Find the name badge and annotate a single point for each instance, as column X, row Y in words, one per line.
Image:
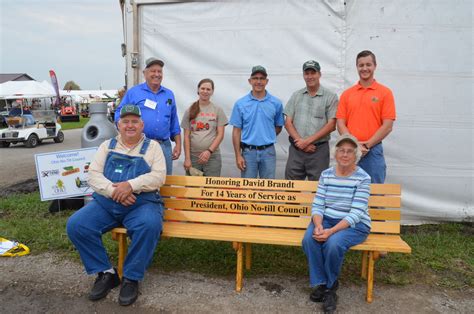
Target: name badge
column 150, row 104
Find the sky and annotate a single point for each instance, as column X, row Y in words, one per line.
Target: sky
column 79, row 40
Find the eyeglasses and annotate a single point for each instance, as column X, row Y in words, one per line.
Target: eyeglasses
column 345, row 151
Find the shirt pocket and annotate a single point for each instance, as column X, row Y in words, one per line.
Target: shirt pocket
column 318, row 111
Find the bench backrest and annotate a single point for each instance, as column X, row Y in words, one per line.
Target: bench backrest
column 264, row 202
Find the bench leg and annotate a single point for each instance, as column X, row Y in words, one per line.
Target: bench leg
column 238, row 280
column 370, row 276
column 122, row 246
column 364, row 265
column 248, row 256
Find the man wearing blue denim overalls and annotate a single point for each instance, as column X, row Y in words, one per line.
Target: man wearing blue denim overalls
column 126, row 173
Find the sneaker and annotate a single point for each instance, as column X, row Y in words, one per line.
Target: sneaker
column 317, row 295
column 103, row 284
column 129, row 292
column 330, row 301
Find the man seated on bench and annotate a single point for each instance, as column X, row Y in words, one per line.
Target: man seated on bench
column 125, row 174
column 340, row 220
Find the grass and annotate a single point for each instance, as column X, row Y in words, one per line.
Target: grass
column 442, row 254
column 74, row 125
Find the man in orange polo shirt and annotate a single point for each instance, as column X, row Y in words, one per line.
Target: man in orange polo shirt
column 367, row 111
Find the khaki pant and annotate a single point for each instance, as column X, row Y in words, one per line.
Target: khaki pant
column 213, row 166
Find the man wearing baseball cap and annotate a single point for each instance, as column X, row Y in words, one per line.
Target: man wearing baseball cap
column 257, row 119
column 126, row 174
column 158, row 108
column 310, row 116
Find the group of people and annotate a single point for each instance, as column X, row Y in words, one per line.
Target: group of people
column 128, row 170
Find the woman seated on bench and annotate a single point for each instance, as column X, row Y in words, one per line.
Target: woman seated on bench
column 340, row 220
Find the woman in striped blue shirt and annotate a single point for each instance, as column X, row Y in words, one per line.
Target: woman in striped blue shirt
column 340, row 220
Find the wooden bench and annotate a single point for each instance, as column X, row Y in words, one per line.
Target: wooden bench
column 246, row 211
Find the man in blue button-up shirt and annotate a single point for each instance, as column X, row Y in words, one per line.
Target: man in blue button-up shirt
column 158, row 109
column 257, row 119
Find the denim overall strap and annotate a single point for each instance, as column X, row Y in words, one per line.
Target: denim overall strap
column 113, row 143
column 145, row 145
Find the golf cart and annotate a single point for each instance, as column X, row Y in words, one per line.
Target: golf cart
column 31, row 128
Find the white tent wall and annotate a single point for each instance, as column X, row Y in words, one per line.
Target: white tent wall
column 424, row 54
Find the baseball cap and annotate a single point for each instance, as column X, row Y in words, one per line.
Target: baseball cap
column 347, row 138
column 151, row 61
column 311, row 64
column 130, row 109
column 258, row 69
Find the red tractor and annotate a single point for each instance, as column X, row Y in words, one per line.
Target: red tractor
column 68, row 112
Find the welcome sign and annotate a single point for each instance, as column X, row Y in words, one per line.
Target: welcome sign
column 64, row 174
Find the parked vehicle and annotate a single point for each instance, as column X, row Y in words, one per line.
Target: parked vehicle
column 68, row 111
column 31, row 129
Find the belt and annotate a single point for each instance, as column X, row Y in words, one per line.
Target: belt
column 161, row 141
column 292, row 142
column 261, row 147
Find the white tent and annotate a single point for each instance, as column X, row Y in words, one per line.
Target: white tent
column 25, row 89
column 424, row 51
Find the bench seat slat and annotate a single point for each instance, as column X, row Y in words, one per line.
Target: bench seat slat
column 292, row 237
column 233, row 233
column 232, row 219
column 383, row 242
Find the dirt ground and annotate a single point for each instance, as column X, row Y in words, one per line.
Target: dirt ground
column 47, row 283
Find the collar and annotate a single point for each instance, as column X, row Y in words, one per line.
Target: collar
column 138, row 144
column 318, row 93
column 147, row 88
column 373, row 86
column 267, row 96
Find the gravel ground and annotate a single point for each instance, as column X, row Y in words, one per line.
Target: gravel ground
column 47, row 283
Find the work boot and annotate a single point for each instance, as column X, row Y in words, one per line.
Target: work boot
column 103, row 284
column 129, row 292
column 317, row 295
column 330, row 301
column 319, row 292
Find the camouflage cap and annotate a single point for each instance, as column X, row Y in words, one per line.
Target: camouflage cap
column 311, row 64
column 258, row 69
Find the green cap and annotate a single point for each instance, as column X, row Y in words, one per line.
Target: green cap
column 311, row 64
column 151, row 61
column 130, row 109
column 258, row 69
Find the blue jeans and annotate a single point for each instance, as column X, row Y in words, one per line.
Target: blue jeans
column 259, row 163
column 325, row 258
column 144, row 223
column 374, row 164
column 168, row 152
